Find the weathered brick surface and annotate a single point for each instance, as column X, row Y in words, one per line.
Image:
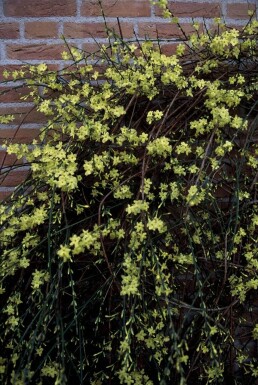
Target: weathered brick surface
column 41, row 8
column 169, row 48
column 5, row 194
column 13, row 95
column 92, row 48
column 116, row 8
column 35, row 51
column 166, row 31
column 97, row 30
column 7, row 160
column 13, row 178
column 23, row 115
column 38, row 30
column 240, row 10
column 9, row 30
column 193, row 9
column 23, row 135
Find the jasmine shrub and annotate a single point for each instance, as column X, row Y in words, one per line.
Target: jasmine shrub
column 129, row 255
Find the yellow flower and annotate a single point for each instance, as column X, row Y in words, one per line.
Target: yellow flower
column 65, row 253
column 156, row 224
column 195, row 195
column 137, row 207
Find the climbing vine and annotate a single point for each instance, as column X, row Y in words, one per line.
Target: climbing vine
column 129, row 255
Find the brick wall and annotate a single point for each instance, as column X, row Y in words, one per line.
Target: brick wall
column 30, row 31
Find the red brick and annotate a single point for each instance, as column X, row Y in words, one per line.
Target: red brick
column 168, row 49
column 8, row 159
column 164, row 30
column 13, row 178
column 116, row 8
column 39, row 8
column 92, row 48
column 239, row 10
column 9, row 30
column 82, row 30
column 5, row 194
column 13, row 95
column 192, row 9
column 41, row 30
column 35, row 51
column 92, row 51
column 22, row 135
column 23, row 114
